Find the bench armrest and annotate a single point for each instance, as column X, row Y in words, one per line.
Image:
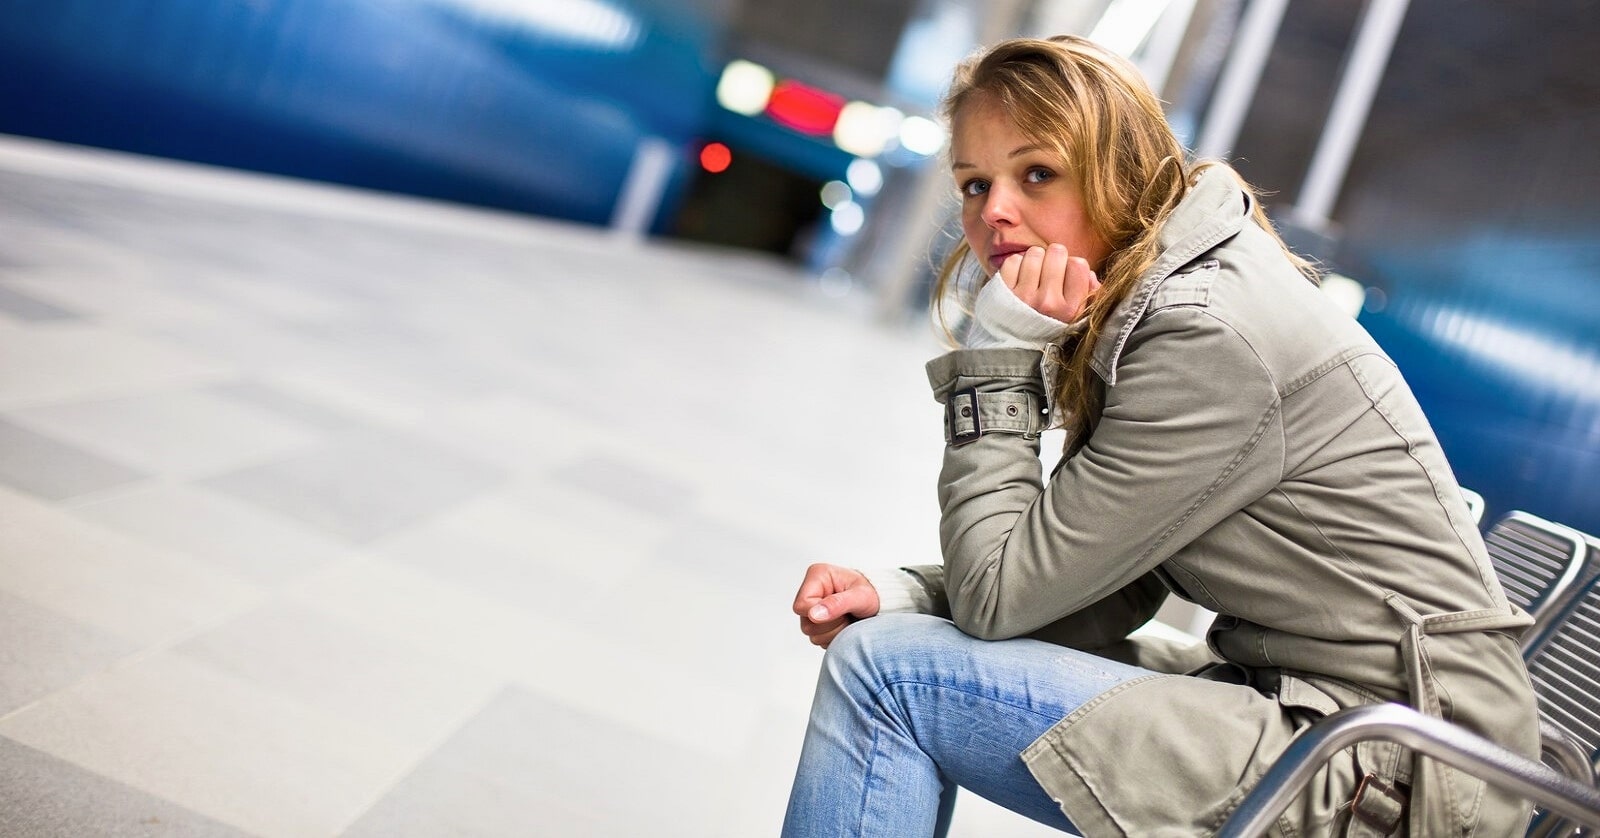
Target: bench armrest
column 1450, row 744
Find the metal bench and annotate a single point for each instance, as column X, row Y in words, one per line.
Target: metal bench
column 1438, row 739
column 1554, row 572
column 1564, row 663
column 1540, row 563
column 1475, row 504
column 1544, row 568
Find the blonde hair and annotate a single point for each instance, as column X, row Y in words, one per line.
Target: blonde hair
column 1097, row 112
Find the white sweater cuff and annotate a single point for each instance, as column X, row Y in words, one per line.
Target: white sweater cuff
column 899, row 592
column 1001, row 319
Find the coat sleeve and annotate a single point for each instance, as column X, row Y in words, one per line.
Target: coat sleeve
column 1190, row 434
column 1095, row 627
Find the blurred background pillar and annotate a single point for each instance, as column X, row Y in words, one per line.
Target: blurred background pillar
column 1258, row 29
column 1166, row 39
column 1358, row 84
column 645, row 187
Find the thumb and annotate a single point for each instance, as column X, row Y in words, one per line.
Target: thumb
column 843, row 603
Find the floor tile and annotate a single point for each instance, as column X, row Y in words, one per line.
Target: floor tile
column 54, row 470
column 262, row 394
column 214, row 530
column 54, row 362
column 124, row 297
column 527, row 765
column 385, row 340
column 408, row 695
column 106, row 580
column 20, row 305
column 522, row 431
column 704, row 605
column 645, row 490
column 42, row 796
column 372, row 390
column 538, row 649
column 44, row 651
column 172, row 432
column 555, row 555
column 519, row 541
column 243, row 339
column 742, row 557
column 217, row 745
column 358, row 487
column 265, row 295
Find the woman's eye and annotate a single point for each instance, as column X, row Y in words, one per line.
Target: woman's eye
column 974, row 187
column 1039, row 175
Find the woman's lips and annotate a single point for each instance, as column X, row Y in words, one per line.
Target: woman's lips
column 998, row 257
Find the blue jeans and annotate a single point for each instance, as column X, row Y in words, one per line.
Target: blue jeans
column 908, row 708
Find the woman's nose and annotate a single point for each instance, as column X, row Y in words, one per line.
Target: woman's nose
column 999, row 207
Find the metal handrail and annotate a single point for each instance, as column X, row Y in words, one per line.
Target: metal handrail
column 1563, row 754
column 1452, row 745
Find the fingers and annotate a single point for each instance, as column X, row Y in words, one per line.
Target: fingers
column 821, row 634
column 1050, row 280
column 1079, row 283
column 829, row 591
column 830, row 598
column 818, row 583
column 850, row 602
column 1053, row 270
column 1011, row 270
column 1031, row 275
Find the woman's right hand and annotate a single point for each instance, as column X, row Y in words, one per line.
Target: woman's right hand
column 1050, row 280
column 830, row 598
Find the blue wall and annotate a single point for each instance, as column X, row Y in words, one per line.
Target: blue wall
column 1485, row 242
column 1499, row 336
column 429, row 97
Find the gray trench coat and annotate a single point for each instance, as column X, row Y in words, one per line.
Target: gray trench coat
column 1257, row 454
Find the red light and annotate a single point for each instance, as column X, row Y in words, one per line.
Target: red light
column 715, row 158
column 805, row 109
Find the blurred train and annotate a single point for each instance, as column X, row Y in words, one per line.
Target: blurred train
column 596, row 111
column 536, row 107
column 616, row 112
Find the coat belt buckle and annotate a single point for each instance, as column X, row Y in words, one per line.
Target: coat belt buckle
column 1384, row 814
column 954, row 408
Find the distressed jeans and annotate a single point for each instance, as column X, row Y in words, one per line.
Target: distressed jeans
column 908, row 708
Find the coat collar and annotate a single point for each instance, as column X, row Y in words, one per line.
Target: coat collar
column 1215, row 208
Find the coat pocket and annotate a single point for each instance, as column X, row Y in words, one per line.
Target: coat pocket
column 1340, row 779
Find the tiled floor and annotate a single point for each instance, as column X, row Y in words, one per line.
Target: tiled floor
column 326, row 513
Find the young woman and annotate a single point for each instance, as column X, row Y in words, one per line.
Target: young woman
column 1233, row 439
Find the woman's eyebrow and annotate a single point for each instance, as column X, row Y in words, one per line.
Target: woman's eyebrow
column 1016, row 152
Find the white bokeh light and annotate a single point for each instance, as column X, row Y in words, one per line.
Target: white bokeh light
column 1348, row 294
column 865, row 177
column 865, row 130
column 920, row 135
column 835, row 193
column 745, row 87
column 847, row 218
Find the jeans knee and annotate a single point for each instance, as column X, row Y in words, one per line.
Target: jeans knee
column 868, row 652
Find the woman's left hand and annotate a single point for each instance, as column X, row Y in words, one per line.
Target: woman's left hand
column 830, row 598
column 1050, row 280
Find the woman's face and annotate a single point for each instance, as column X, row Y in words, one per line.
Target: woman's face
column 1015, row 193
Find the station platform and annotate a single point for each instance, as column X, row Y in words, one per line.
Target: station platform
column 326, row 512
